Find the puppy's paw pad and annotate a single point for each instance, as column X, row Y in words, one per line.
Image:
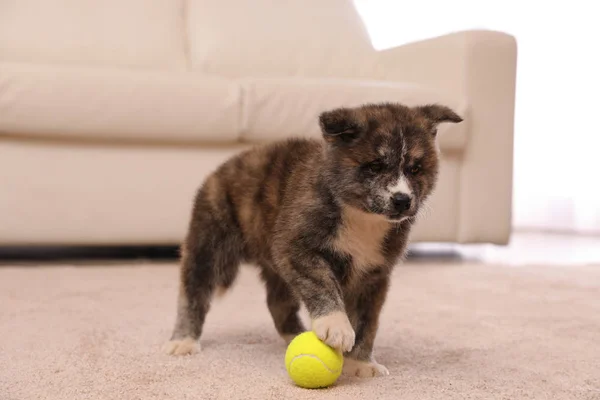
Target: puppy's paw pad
column 335, row 330
column 364, row 369
column 181, row 347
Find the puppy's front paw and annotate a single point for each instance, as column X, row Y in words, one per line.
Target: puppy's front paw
column 335, row 330
column 363, row 369
column 181, row 347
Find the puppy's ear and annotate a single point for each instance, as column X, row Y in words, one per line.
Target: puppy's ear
column 341, row 124
column 436, row 114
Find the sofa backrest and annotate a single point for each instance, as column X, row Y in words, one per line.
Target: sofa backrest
column 117, row 33
column 272, row 38
column 231, row 38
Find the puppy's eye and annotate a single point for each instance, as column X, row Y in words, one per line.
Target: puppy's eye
column 415, row 169
column 375, row 167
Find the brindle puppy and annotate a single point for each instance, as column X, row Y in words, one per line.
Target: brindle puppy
column 325, row 220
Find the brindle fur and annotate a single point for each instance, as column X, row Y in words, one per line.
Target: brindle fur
column 312, row 214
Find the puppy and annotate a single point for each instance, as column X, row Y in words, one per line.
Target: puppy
column 324, row 220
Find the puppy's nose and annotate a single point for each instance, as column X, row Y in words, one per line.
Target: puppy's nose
column 401, row 201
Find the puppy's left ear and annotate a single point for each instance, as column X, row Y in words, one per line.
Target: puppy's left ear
column 341, row 125
column 436, row 114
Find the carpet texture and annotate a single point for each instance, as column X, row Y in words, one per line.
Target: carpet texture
column 448, row 331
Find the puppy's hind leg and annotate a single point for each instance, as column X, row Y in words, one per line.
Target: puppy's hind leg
column 210, row 261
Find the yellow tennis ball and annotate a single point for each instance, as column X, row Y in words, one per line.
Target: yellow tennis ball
column 311, row 363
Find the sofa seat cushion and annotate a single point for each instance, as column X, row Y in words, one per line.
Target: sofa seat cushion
column 279, row 108
column 41, row 100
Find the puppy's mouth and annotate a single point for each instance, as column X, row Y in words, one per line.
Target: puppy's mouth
column 400, row 216
column 393, row 216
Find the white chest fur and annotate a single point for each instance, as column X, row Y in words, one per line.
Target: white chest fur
column 361, row 236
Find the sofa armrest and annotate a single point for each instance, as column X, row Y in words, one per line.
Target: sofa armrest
column 480, row 66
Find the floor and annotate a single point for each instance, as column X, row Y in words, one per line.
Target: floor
column 460, row 322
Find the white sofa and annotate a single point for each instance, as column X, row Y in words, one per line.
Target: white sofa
column 112, row 112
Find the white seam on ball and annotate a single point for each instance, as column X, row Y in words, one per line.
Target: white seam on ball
column 333, row 371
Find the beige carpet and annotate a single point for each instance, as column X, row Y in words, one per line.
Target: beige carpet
column 449, row 331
